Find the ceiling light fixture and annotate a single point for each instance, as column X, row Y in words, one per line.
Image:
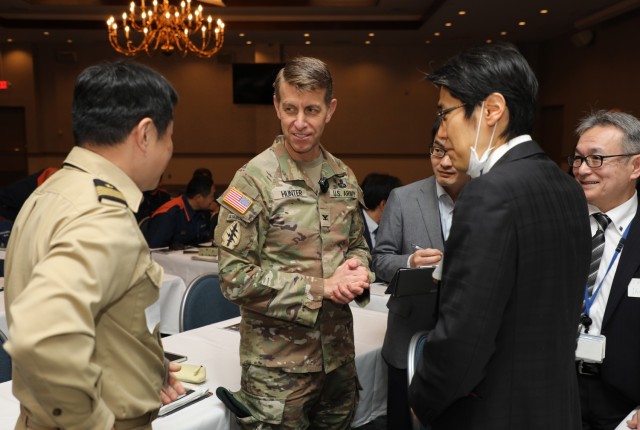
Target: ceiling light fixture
column 167, row 28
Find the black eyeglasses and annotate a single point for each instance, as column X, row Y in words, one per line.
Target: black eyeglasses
column 576, row 161
column 442, row 114
column 437, row 151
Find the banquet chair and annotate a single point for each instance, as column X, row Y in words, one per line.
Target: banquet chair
column 204, row 304
column 5, row 360
column 416, row 346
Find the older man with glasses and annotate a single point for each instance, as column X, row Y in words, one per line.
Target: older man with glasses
column 607, row 166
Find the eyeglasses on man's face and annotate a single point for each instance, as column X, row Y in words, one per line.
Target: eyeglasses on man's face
column 592, row 161
column 442, row 114
column 437, row 150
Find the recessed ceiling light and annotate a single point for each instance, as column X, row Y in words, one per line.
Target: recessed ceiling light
column 544, row 11
column 367, row 42
column 489, row 41
column 248, row 42
column 307, row 35
column 427, row 42
column 436, row 34
column 69, row 41
column 372, row 34
column 448, row 24
column 522, row 23
column 9, row 40
column 307, row 42
column 241, row 34
column 462, row 12
column 503, row 33
column 46, row 33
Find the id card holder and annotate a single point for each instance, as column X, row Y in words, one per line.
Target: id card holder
column 591, row 348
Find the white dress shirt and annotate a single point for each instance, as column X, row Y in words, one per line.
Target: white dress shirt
column 621, row 217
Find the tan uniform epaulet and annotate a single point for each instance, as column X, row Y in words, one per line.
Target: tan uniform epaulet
column 106, row 191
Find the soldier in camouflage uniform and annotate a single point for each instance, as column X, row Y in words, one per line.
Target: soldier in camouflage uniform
column 292, row 255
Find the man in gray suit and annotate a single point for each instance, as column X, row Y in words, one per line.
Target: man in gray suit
column 418, row 214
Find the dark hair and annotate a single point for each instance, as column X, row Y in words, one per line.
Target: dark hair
column 376, row 187
column 203, row 171
column 199, row 184
column 109, row 99
column 474, row 74
column 306, row 74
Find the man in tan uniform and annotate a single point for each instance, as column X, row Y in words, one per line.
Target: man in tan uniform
column 292, row 255
column 81, row 288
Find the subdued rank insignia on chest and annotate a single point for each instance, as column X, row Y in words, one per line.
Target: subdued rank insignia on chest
column 237, row 200
column 106, row 191
column 231, row 235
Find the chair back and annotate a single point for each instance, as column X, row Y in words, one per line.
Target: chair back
column 5, row 360
column 204, row 304
column 416, row 347
column 143, row 224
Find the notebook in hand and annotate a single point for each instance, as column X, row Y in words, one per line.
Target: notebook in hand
column 412, row 281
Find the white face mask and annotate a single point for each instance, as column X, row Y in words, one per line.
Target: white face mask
column 476, row 165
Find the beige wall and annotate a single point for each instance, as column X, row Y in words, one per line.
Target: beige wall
column 385, row 108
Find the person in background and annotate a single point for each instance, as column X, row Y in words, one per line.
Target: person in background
column 416, row 215
column 501, row 355
column 292, row 255
column 606, row 163
column 215, row 211
column 184, row 220
column 151, row 201
column 375, row 189
column 13, row 196
column 81, row 289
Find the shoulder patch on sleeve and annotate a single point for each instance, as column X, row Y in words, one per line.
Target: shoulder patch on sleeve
column 237, row 200
column 106, row 191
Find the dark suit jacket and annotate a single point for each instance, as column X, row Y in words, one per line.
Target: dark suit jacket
column 515, row 265
column 621, row 322
column 410, row 216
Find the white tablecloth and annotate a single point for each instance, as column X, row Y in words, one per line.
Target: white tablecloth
column 216, row 348
column 182, row 265
column 171, row 292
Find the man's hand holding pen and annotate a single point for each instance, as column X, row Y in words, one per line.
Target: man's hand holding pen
column 424, row 257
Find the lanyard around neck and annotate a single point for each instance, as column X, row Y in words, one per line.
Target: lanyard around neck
column 588, row 301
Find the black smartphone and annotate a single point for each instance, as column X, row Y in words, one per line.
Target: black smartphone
column 176, row 358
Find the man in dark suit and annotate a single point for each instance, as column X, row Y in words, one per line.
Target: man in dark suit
column 515, row 264
column 376, row 188
column 418, row 214
column 607, row 166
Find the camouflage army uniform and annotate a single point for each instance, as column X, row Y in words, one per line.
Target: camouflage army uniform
column 279, row 237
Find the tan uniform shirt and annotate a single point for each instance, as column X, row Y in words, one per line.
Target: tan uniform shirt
column 279, row 237
column 80, row 294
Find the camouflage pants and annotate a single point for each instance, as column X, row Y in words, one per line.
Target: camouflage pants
column 281, row 400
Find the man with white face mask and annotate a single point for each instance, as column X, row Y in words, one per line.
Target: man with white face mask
column 515, row 264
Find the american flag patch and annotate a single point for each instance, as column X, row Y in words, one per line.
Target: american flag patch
column 237, row 200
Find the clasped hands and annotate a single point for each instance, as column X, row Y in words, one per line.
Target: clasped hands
column 349, row 280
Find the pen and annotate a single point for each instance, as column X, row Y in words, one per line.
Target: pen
column 416, row 247
column 197, row 370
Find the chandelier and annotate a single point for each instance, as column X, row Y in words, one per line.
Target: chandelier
column 167, row 28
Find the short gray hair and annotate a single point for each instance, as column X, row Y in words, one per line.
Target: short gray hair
column 628, row 124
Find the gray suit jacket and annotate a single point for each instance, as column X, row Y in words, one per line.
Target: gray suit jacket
column 410, row 216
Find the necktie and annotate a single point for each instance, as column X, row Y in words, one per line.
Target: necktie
column 597, row 247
